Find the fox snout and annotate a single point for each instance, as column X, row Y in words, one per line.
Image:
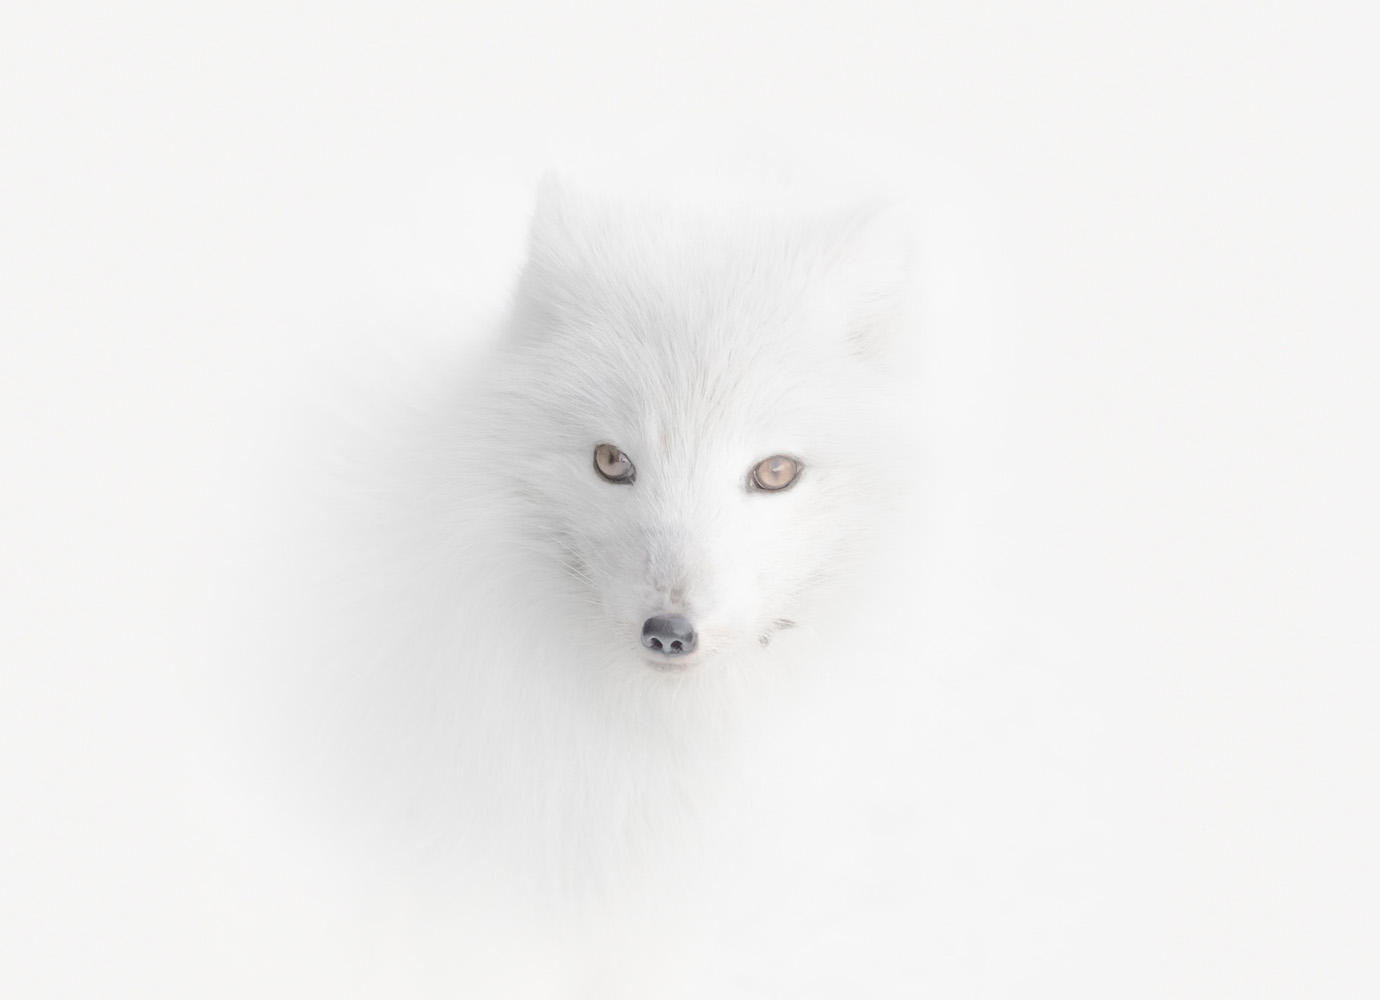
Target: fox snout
column 669, row 635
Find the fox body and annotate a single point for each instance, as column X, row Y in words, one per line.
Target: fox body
column 685, row 420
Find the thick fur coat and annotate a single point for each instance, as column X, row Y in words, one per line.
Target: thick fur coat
column 494, row 721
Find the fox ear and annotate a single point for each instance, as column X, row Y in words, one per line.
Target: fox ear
column 559, row 240
column 551, row 220
column 554, row 250
column 872, row 269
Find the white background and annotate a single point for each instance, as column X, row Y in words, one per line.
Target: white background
column 1158, row 222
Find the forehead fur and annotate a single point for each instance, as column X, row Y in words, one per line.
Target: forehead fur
column 624, row 305
column 678, row 271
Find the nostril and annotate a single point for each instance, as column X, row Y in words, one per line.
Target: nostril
column 671, row 635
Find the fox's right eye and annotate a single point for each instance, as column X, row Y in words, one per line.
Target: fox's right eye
column 613, row 465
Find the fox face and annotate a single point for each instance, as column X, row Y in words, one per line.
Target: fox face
column 693, row 407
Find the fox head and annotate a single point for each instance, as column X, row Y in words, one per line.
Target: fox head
column 691, row 405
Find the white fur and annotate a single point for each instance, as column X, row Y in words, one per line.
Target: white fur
column 515, row 740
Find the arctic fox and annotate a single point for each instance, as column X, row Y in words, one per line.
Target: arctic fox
column 634, row 525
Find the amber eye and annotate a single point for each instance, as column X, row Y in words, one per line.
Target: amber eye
column 613, row 465
column 775, row 473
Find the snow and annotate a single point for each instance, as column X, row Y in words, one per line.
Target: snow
column 1145, row 753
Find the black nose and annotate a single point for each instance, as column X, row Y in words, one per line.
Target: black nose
column 669, row 634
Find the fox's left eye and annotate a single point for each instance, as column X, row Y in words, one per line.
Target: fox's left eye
column 775, row 473
column 613, row 465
